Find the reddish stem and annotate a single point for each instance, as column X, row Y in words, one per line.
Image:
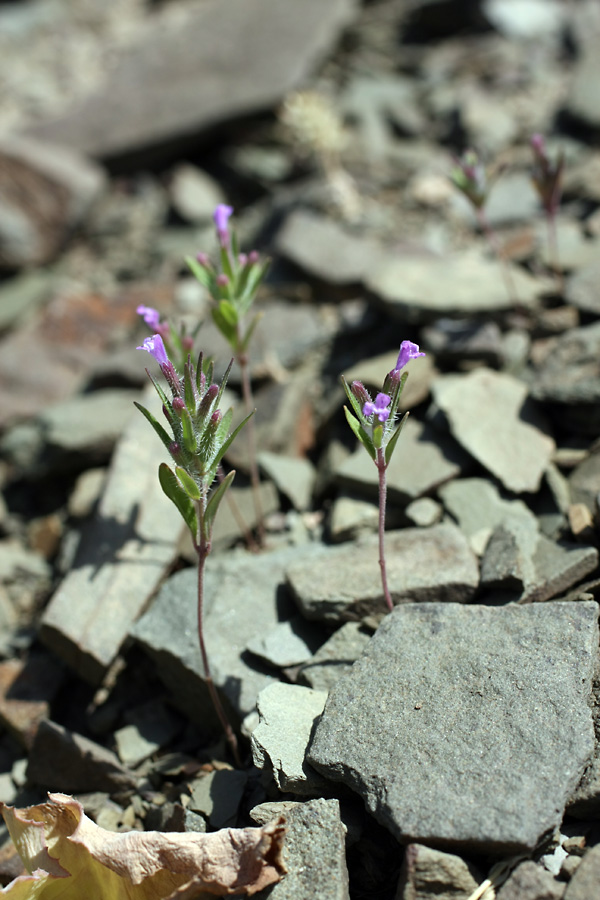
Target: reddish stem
column 203, row 549
column 254, row 476
column 553, row 247
column 381, row 469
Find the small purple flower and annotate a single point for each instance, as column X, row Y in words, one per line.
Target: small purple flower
column 221, row 218
column 379, row 408
column 408, row 351
column 155, row 346
column 150, row 315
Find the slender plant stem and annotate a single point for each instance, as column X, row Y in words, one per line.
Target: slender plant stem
column 381, row 469
column 203, row 549
column 242, row 359
column 553, row 248
column 494, row 243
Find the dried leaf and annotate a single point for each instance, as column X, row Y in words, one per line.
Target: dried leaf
column 71, row 857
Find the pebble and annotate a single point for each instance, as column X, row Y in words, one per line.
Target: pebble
column 584, row 883
column 293, row 476
column 217, row 796
column 491, row 418
column 496, row 675
column 344, row 583
column 335, row 658
column 530, row 881
column 287, row 717
column 27, row 689
column 352, row 516
column 428, row 873
column 194, row 194
column 288, row 643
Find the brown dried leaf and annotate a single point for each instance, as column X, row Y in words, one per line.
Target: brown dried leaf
column 71, row 857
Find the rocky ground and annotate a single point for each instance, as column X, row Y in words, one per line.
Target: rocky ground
column 413, row 752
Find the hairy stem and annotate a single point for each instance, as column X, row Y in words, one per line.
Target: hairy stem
column 553, row 248
column 242, row 359
column 381, row 469
column 203, row 549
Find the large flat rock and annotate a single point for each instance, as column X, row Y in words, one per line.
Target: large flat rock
column 343, row 583
column 214, row 61
column 466, row 726
column 491, row 417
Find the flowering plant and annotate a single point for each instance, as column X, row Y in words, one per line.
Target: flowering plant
column 546, row 176
column 374, row 422
column 200, row 437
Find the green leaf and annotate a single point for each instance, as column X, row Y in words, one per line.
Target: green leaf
column 178, row 496
column 214, row 502
column 204, row 276
column 360, row 433
column 187, row 483
column 256, row 275
column 250, row 331
column 228, row 330
column 189, row 393
column 226, row 265
column 189, row 434
column 391, row 446
column 227, row 444
column 167, row 441
column 223, row 384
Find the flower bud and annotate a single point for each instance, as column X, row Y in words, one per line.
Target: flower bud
column 222, row 280
column 253, row 257
column 188, row 343
column 178, row 404
column 360, row 392
column 203, row 259
column 242, row 259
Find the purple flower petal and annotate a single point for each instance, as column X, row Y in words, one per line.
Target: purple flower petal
column 155, row 346
column 221, row 218
column 150, row 315
column 379, row 408
column 408, row 351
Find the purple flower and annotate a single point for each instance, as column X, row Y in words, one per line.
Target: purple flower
column 155, row 346
column 221, row 218
column 379, row 408
column 408, row 351
column 150, row 315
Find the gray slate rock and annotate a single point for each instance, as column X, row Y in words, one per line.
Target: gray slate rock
column 313, row 851
column 173, row 84
column 287, row 717
column 490, row 416
column 325, row 249
column 217, row 796
column 479, row 509
column 243, row 600
column 423, row 460
column 343, row 583
column 530, row 881
column 351, row 516
column 62, row 760
column 424, row 512
column 418, row 288
column 194, row 194
column 427, row 873
column 123, row 555
column 585, row 881
column 481, row 727
column 508, row 559
column 569, row 379
column 288, row 643
column 294, row 476
column 335, row 658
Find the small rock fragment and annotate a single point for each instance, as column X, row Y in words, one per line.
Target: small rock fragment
column 335, row 658
column 27, row 688
column 430, row 873
column 217, row 796
column 530, row 881
column 287, row 717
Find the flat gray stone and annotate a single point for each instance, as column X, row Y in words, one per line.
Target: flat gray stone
column 479, row 509
column 325, row 249
column 530, row 881
column 351, row 516
column 173, row 84
column 482, row 726
column 288, row 643
column 242, row 601
column 422, row 565
column 294, row 476
column 423, row 460
column 217, row 796
column 123, row 555
column 335, row 658
column 414, row 288
column 88, row 425
column 508, row 559
column 427, row 873
column 424, row 512
column 490, row 416
column 313, row 851
column 287, row 717
column 194, row 194
column 584, row 883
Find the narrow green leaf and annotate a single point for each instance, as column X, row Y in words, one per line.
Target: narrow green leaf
column 187, row 483
column 204, row 276
column 250, row 330
column 255, row 277
column 223, row 384
column 214, row 502
column 167, row 441
column 394, row 439
column 188, row 433
column 360, row 433
column 227, row 444
column 225, row 327
column 226, row 264
column 224, row 426
column 177, row 495
column 189, row 392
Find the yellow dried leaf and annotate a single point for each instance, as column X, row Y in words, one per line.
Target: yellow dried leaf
column 70, row 857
